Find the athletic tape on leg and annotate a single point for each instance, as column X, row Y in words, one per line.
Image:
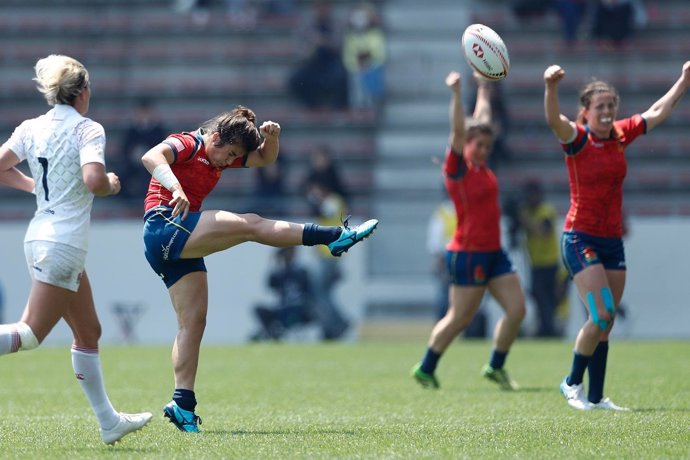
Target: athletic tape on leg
column 591, row 303
column 607, row 297
column 27, row 337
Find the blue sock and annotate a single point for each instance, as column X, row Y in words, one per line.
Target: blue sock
column 597, row 372
column 578, row 370
column 498, row 359
column 185, row 399
column 430, row 361
column 319, row 234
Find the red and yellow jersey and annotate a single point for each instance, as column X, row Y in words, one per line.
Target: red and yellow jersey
column 474, row 192
column 192, row 168
column 596, row 170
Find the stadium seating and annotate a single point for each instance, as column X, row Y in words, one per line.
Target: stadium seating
column 143, row 48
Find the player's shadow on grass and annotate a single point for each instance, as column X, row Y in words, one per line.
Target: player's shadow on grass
column 533, row 390
column 520, row 390
column 660, row 409
column 115, row 450
column 275, row 432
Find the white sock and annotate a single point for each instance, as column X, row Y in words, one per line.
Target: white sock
column 87, row 368
column 9, row 339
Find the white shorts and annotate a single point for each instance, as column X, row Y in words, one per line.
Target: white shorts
column 56, row 264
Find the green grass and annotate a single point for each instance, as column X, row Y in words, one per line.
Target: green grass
column 353, row 401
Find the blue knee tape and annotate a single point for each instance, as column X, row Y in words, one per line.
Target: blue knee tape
column 607, row 297
column 603, row 324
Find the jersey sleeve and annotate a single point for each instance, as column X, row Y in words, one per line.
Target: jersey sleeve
column 16, row 141
column 631, row 128
column 90, row 142
column 183, row 146
column 454, row 167
column 578, row 141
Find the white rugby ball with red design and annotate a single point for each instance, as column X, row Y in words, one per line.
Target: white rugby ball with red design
column 486, row 52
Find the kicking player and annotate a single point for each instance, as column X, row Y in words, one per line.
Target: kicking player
column 177, row 235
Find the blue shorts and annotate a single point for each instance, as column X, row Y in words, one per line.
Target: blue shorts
column 477, row 268
column 580, row 251
column 164, row 239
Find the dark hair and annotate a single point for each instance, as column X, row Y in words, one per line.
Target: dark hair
column 592, row 88
column 237, row 127
column 475, row 128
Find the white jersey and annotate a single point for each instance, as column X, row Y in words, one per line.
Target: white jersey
column 56, row 145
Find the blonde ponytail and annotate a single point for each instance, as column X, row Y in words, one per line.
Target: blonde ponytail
column 60, row 78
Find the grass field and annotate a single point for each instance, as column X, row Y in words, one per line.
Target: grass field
column 353, row 401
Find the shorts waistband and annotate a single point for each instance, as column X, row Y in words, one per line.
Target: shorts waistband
column 153, row 211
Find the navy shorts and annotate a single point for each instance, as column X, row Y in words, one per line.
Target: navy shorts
column 477, row 268
column 164, row 239
column 580, row 250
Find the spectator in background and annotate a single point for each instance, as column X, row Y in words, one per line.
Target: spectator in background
column 571, row 13
column 530, row 9
column 324, row 171
column 291, row 282
column 144, row 131
column 320, row 79
column 440, row 230
column 538, row 220
column 613, row 22
column 269, row 192
column 330, row 209
column 364, row 55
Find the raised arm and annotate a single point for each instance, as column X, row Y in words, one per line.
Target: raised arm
column 482, row 107
column 267, row 153
column 559, row 123
column 661, row 109
column 456, row 113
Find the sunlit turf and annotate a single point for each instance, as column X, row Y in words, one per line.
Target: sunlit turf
column 353, row 401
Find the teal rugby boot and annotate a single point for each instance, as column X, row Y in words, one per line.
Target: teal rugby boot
column 351, row 236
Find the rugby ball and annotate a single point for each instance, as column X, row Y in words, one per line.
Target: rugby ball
column 485, row 52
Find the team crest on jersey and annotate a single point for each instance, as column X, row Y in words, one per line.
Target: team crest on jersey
column 479, row 274
column 590, row 256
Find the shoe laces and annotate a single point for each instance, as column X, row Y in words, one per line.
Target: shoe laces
column 346, row 221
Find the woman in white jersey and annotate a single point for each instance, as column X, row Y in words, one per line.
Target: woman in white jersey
column 65, row 152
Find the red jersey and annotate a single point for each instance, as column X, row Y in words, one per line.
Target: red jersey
column 192, row 168
column 474, row 191
column 596, row 170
